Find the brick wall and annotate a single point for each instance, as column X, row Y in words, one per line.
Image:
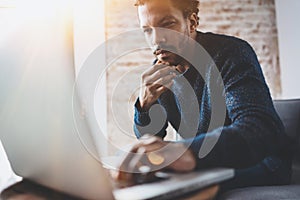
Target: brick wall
column 251, row 20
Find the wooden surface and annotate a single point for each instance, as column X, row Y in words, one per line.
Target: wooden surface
column 27, row 190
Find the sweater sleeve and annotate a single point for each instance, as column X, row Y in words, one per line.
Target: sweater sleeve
column 153, row 122
column 255, row 130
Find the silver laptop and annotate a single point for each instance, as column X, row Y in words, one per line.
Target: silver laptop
column 39, row 134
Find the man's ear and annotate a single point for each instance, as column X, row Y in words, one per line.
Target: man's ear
column 193, row 22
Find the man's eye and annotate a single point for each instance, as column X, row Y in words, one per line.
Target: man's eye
column 147, row 30
column 169, row 24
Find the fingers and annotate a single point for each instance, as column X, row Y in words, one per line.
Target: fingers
column 155, row 81
column 157, row 85
column 184, row 163
column 149, row 143
column 157, row 71
column 124, row 176
column 162, row 81
column 150, row 93
column 138, row 153
column 163, row 88
column 168, row 70
column 136, row 160
column 157, row 66
column 179, row 157
column 151, row 154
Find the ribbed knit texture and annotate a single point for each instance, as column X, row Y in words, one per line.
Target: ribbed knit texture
column 252, row 128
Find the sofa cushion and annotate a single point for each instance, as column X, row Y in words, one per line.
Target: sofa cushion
column 291, row 192
column 289, row 112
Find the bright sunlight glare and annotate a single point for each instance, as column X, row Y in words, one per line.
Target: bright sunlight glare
column 43, row 9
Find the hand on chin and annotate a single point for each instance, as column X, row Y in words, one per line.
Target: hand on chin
column 168, row 60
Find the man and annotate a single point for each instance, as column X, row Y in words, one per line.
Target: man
column 251, row 139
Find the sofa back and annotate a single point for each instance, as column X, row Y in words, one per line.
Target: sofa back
column 289, row 112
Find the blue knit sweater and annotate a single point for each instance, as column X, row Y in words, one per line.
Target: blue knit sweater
column 252, row 129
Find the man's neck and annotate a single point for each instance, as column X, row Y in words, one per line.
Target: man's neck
column 194, row 35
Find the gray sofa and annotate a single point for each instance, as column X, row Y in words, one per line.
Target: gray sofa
column 289, row 112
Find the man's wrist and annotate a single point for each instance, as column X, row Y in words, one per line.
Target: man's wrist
column 141, row 116
column 138, row 106
column 143, row 106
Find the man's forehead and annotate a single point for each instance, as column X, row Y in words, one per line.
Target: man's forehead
column 157, row 3
column 155, row 11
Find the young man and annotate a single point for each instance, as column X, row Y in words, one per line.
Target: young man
column 251, row 139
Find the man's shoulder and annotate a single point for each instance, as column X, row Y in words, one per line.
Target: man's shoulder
column 225, row 45
column 214, row 40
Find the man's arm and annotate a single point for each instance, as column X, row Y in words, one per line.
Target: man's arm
column 255, row 130
column 143, row 124
column 154, row 81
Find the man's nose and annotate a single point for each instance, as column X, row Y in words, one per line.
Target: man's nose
column 158, row 37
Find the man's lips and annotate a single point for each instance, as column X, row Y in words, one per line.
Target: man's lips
column 157, row 52
column 162, row 53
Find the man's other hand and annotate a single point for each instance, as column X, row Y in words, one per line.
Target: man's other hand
column 151, row 154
